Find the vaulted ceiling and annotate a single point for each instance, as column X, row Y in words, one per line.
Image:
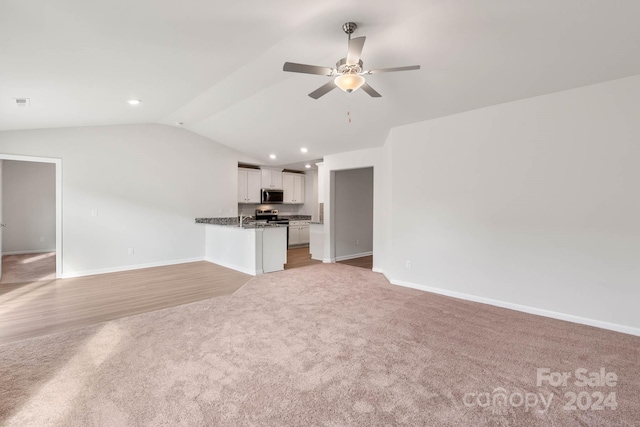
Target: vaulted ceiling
column 216, row 66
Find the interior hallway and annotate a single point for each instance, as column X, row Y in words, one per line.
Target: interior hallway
column 25, row 268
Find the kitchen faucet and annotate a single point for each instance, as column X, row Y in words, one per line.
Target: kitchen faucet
column 242, row 218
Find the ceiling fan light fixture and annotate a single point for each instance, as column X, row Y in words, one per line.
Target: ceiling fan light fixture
column 349, row 82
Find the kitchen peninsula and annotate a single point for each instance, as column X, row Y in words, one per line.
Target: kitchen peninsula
column 253, row 248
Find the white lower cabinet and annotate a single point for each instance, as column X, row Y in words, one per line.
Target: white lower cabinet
column 304, row 234
column 298, row 233
column 294, row 235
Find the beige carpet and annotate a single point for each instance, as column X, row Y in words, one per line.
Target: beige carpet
column 325, row 345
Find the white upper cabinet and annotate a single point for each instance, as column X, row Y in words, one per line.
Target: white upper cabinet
column 272, row 178
column 249, row 185
column 293, row 186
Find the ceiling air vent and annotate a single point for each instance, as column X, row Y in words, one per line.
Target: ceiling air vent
column 22, row 102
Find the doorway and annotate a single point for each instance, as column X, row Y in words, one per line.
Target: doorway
column 352, row 210
column 31, row 211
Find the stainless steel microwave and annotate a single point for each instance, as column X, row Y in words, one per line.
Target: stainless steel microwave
column 271, row 197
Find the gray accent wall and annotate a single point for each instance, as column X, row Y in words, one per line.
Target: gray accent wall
column 29, row 207
column 353, row 215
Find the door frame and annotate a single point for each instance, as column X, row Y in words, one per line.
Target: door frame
column 332, row 210
column 58, row 166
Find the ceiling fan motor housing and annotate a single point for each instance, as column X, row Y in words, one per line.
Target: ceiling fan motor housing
column 343, row 68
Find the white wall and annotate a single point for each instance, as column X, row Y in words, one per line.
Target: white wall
column 29, row 207
column 147, row 184
column 353, row 212
column 310, row 197
column 234, row 247
column 532, row 203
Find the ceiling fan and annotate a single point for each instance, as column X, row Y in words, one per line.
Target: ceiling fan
column 348, row 72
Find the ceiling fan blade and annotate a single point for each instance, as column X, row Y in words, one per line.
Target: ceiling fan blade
column 323, row 90
column 355, row 50
column 389, row 70
column 307, row 69
column 371, row 91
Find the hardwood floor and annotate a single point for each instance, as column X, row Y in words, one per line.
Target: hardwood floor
column 362, row 262
column 41, row 307
column 28, row 267
column 300, row 257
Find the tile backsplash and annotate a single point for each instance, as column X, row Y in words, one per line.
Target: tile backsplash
column 282, row 209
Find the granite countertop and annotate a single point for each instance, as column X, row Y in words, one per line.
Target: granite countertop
column 233, row 222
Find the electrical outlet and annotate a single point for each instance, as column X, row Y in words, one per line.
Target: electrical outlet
column 357, row 242
column 94, row 212
column 41, row 239
column 131, row 251
column 407, row 264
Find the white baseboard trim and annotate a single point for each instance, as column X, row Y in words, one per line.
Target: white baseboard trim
column 34, row 251
column 523, row 308
column 234, row 267
column 328, row 260
column 352, row 256
column 129, row 267
column 378, row 270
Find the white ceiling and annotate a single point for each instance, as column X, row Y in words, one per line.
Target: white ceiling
column 217, row 66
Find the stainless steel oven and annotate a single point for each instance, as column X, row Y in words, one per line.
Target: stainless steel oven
column 271, row 216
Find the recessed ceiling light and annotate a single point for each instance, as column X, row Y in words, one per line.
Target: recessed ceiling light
column 307, row 166
column 272, row 156
column 304, row 150
column 180, row 123
column 134, row 102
